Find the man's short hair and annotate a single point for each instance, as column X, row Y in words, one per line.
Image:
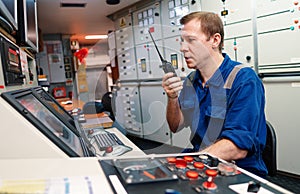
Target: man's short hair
column 210, row 24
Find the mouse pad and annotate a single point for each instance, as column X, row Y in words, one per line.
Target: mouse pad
column 135, row 171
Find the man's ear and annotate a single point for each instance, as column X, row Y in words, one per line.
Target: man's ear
column 216, row 40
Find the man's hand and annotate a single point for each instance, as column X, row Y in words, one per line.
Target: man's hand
column 172, row 85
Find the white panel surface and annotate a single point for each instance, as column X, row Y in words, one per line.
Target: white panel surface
column 244, row 49
column 237, row 10
column 279, row 47
column 265, row 7
column 238, row 29
column 148, row 61
column 275, row 22
column 282, row 110
column 20, row 139
column 125, row 49
column 154, row 110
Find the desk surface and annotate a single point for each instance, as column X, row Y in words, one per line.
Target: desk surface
column 83, row 175
column 69, row 107
column 80, row 175
column 97, row 120
column 92, row 120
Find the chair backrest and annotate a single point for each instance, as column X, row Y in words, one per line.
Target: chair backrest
column 269, row 153
column 92, row 107
column 107, row 104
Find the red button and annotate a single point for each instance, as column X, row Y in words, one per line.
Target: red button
column 188, row 158
column 199, row 165
column 171, row 160
column 192, row 174
column 180, row 163
column 211, row 172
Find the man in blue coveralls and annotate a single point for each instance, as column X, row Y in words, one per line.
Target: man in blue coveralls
column 222, row 101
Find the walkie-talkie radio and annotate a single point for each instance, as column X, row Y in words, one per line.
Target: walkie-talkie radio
column 167, row 66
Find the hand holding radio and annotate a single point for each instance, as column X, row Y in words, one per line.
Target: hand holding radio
column 172, row 85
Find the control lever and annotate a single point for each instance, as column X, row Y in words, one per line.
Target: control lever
column 209, row 184
column 167, row 66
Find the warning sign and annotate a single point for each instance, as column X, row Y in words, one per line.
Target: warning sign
column 122, row 22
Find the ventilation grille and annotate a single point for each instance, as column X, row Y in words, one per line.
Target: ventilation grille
column 73, row 3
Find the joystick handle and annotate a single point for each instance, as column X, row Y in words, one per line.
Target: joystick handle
column 209, row 184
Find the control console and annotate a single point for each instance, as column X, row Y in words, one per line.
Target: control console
column 183, row 173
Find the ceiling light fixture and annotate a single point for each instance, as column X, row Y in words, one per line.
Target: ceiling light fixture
column 95, row 37
column 112, row 2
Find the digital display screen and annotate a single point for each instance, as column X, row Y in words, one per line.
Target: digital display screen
column 63, row 114
column 174, row 60
column 135, row 171
column 52, row 103
column 224, row 12
column 51, row 122
column 13, row 63
column 143, row 65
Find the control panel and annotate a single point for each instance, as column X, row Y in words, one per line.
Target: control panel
column 127, row 108
column 172, row 11
column 125, row 48
column 147, row 19
column 11, row 63
column 184, row 173
column 148, row 62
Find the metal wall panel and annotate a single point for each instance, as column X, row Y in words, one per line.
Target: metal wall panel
column 153, row 106
column 148, row 61
column 127, row 108
column 125, row 48
column 282, row 111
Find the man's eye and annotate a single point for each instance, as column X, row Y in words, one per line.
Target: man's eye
column 191, row 39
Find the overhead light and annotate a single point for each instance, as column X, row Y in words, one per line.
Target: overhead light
column 112, row 2
column 95, row 37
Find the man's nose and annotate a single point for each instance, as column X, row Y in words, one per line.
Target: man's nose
column 183, row 47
